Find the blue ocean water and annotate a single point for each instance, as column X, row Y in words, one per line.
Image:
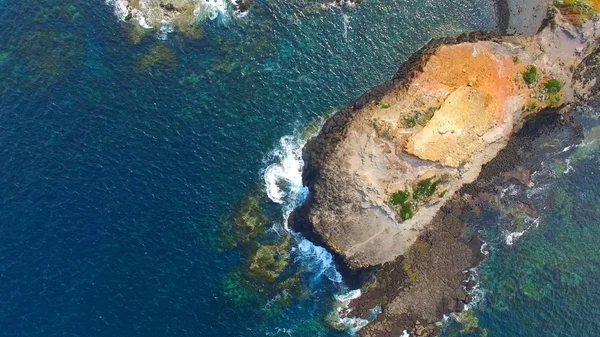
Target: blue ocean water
column 119, row 160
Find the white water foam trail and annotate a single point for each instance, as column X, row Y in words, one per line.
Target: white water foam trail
column 283, row 184
column 283, row 178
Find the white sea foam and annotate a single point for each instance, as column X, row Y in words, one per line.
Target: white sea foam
column 166, row 27
column 348, row 296
column 477, row 292
column 120, row 8
column 283, row 184
column 316, row 259
column 353, row 324
column 283, row 178
column 511, row 237
column 211, row 9
column 204, row 10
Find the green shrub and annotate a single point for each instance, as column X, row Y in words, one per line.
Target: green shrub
column 385, row 105
column 425, row 189
column 406, row 212
column 400, row 197
column 530, row 75
column 553, row 86
column 410, row 121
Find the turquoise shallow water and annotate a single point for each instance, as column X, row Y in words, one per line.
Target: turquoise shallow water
column 117, row 172
column 545, row 280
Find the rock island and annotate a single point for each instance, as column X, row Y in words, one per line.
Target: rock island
column 385, row 173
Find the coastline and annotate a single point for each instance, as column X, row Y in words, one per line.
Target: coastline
column 446, row 229
column 334, row 130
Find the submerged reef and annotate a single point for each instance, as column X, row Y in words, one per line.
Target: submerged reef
column 51, row 56
column 395, row 176
column 266, row 277
column 157, row 57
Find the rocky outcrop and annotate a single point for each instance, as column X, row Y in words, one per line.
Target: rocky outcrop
column 418, row 288
column 521, row 17
column 387, row 174
column 366, row 156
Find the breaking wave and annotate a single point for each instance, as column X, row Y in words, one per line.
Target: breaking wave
column 283, row 185
column 203, row 10
column 283, row 178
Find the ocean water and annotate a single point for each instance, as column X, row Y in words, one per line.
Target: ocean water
column 541, row 276
column 119, row 161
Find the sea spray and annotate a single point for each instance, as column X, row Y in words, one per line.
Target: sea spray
column 283, row 185
column 283, row 178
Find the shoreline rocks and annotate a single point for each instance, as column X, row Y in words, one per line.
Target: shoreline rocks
column 416, row 268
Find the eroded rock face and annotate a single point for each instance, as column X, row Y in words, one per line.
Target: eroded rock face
column 392, row 145
column 456, row 130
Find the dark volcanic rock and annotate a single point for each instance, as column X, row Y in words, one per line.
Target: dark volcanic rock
column 521, row 17
column 431, row 282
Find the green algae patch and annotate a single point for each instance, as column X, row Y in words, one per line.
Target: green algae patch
column 312, row 128
column 136, row 33
column 248, row 221
column 51, row 56
column 268, row 261
column 418, row 248
column 520, row 217
column 470, row 323
column 4, row 57
column 239, row 291
column 589, row 147
column 266, row 278
column 61, row 13
column 158, row 56
column 244, row 56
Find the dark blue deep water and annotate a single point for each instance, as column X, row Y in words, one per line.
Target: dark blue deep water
column 119, row 161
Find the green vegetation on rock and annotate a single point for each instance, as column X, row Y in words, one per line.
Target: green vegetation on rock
column 400, row 197
column 419, row 117
column 553, row 86
column 421, row 193
column 406, row 211
column 530, row 75
column 425, row 189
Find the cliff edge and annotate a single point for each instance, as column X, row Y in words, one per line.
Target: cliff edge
column 384, row 172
